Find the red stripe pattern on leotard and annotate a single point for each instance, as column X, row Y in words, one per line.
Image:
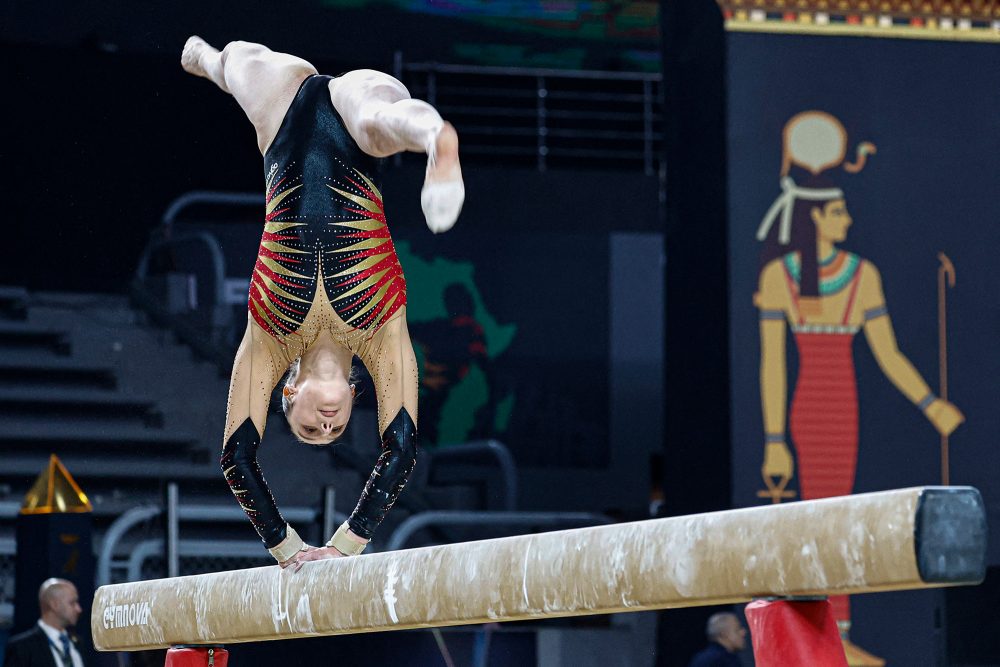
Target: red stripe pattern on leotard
column 362, row 276
column 283, row 281
column 354, row 255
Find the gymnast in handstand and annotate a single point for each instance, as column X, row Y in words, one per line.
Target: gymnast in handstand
column 327, row 284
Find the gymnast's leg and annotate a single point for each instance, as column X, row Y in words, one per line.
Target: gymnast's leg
column 264, row 82
column 383, row 119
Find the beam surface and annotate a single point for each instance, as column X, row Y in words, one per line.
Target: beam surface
column 893, row 540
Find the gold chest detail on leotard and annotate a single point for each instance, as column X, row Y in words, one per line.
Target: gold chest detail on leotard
column 335, row 271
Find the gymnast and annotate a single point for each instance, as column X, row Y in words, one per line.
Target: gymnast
column 327, row 284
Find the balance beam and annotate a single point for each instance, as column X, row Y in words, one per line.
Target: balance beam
column 895, row 540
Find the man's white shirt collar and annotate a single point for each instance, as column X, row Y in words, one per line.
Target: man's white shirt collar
column 56, row 643
column 51, row 632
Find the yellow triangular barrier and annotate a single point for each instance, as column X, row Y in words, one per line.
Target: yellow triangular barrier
column 55, row 491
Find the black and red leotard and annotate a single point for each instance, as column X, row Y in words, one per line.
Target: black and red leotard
column 326, row 263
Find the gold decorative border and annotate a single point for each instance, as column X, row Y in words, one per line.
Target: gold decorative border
column 962, row 20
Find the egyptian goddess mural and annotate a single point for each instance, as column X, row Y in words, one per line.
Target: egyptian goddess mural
column 826, row 295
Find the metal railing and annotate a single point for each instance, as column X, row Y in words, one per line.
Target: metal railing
column 211, row 197
column 478, row 452
column 122, row 525
column 172, row 547
column 210, row 330
column 546, row 116
column 152, row 548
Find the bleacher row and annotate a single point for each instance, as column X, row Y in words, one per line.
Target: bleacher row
column 69, row 386
column 64, row 362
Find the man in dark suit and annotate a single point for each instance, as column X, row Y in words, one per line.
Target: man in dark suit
column 48, row 644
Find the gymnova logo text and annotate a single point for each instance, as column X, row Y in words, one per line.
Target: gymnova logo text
column 126, row 615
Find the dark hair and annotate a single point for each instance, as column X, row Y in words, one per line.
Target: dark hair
column 802, row 237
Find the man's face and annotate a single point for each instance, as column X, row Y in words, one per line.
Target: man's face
column 66, row 605
column 734, row 636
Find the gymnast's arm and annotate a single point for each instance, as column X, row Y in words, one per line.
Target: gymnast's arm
column 258, row 366
column 389, row 358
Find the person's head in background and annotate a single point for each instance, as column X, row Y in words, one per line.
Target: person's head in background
column 59, row 603
column 725, row 629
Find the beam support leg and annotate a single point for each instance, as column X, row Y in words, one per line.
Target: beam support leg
column 794, row 632
column 197, row 656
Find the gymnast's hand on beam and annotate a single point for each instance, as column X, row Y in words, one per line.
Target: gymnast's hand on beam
column 313, row 553
column 298, row 554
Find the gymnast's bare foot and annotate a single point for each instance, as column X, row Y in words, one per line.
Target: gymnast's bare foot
column 202, row 59
column 191, row 55
column 443, row 193
column 444, row 165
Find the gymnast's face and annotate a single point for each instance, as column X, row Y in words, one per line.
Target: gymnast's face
column 832, row 220
column 319, row 409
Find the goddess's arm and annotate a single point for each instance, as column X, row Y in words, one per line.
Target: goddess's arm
column 773, row 302
column 881, row 339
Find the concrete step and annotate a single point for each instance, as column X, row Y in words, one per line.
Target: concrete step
column 29, row 435
column 17, row 337
column 30, row 370
column 78, row 404
column 13, row 303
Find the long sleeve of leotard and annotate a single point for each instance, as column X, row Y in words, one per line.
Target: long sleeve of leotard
column 389, row 358
column 258, row 366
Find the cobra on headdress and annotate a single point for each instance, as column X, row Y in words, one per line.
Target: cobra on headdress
column 813, row 141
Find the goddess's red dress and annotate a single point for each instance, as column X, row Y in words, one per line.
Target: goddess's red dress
column 824, row 413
